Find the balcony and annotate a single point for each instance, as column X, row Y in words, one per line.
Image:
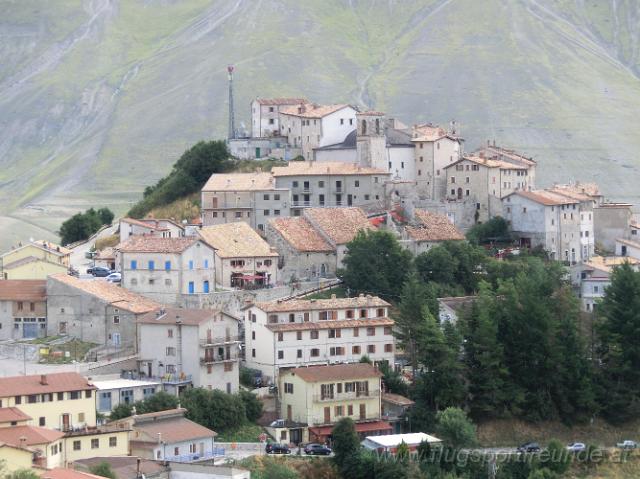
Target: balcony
column 219, row 340
column 300, row 204
column 346, row 396
column 320, row 419
column 219, row 358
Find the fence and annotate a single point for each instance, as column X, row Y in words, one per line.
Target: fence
column 215, row 452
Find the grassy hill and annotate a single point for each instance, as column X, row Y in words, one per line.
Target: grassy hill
column 98, row 99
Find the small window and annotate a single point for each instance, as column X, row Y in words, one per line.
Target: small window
column 134, row 264
column 299, row 353
column 116, row 319
column 276, row 197
column 95, row 443
column 314, row 334
column 315, row 353
column 299, row 335
column 152, row 265
column 42, row 421
column 371, row 348
column 77, row 445
column 266, row 197
column 280, row 354
column 355, row 350
column 170, row 333
column 280, row 337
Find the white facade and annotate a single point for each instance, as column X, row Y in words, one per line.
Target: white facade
column 629, row 248
column 114, row 391
column 265, row 115
column 149, row 227
column 297, row 335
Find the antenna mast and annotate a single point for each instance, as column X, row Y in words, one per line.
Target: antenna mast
column 232, row 118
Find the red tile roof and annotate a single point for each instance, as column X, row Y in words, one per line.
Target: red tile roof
column 55, row 382
column 341, row 225
column 315, row 304
column 347, row 323
column 33, row 435
column 310, row 110
column 397, row 399
column 60, row 473
column 544, row 197
column 154, row 244
column 300, row 234
column 23, row 290
column 281, row 101
column 325, row 168
column 10, row 414
column 433, row 227
column 172, row 315
column 334, row 372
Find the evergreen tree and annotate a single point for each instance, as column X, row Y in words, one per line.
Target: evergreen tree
column 455, row 429
column 346, row 442
column 619, row 350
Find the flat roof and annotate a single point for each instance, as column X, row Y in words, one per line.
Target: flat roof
column 123, row 383
column 393, row 440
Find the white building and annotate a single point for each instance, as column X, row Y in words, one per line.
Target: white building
column 265, row 115
column 310, row 126
column 163, row 228
column 311, row 332
column 113, row 391
column 389, row 443
column 165, row 269
column 630, row 248
column 193, row 344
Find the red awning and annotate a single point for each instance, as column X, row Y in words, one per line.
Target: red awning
column 360, row 427
column 377, row 221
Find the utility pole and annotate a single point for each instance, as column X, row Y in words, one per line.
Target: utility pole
column 232, row 117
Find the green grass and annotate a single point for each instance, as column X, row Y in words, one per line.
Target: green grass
column 76, row 348
column 339, row 291
column 247, row 433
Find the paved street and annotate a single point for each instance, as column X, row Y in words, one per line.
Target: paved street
column 78, row 259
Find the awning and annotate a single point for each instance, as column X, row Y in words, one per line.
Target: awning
column 252, row 277
column 360, row 427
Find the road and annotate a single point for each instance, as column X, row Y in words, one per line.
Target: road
column 16, row 367
column 78, row 259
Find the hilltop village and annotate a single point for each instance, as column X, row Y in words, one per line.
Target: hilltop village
column 255, row 295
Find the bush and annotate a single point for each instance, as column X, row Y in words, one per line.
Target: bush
column 455, row 429
column 252, row 405
column 496, row 229
column 82, row 225
column 103, row 469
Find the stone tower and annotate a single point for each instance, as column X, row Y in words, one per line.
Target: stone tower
column 371, row 142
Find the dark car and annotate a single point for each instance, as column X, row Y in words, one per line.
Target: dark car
column 99, row 271
column 275, row 448
column 529, row 447
column 317, row 449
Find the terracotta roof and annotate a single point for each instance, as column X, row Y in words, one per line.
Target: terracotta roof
column 171, row 316
column 111, row 293
column 544, row 197
column 490, row 163
column 334, row 372
column 154, row 244
column 124, row 467
column 341, row 225
column 607, row 263
column 106, row 253
column 313, row 325
column 240, row 182
column 34, row 435
column 30, row 259
column 60, row 473
column 316, row 304
column 504, row 154
column 633, row 244
column 23, row 290
column 310, row 110
column 300, row 234
column 370, row 113
column 577, row 191
column 53, row 247
column 11, row 414
column 433, row 227
column 136, row 222
column 324, row 168
column 281, row 101
column 56, row 382
column 236, row 240
column 397, row 399
column 172, row 430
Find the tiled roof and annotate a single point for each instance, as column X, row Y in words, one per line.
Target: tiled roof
column 317, row 304
column 33, row 435
column 346, row 323
column 111, row 293
column 142, row 224
column 310, row 110
column 490, row 163
column 60, row 473
column 256, row 181
column 433, row 227
column 30, row 259
column 125, row 467
column 335, row 372
column 106, row 253
column 236, row 240
column 370, row 113
column 324, row 168
column 172, row 315
column 607, row 263
column 429, row 132
column 10, row 414
column 300, row 234
column 281, row 101
column 578, row 191
column 172, row 430
column 503, row 154
column 54, row 248
column 56, row 382
column 153, row 244
column 341, row 225
column 633, row 244
column 544, row 197
column 23, row 290
column 397, row 399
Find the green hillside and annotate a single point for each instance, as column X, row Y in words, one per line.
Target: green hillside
column 98, row 99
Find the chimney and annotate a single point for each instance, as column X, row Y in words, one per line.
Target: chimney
column 23, row 442
column 43, row 379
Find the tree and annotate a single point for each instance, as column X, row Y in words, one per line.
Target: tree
column 122, row 410
column 619, row 351
column 346, row 442
column 402, row 451
column 437, row 265
column 557, row 457
column 376, row 264
column 214, row 409
column 22, row 474
column 106, row 216
column 252, row 405
column 103, row 469
column 455, row 429
column 452, row 264
column 496, row 229
column 160, row 401
column 543, row 473
column 365, row 359
column 393, row 380
column 82, row 225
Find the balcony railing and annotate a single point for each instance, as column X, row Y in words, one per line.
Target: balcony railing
column 219, row 358
column 346, row 396
column 219, row 340
column 320, row 420
column 216, row 452
column 300, row 204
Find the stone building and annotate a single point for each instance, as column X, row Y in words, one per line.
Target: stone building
column 23, row 308
column 265, row 115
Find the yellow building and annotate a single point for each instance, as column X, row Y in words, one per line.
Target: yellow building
column 319, row 396
column 95, row 442
column 63, row 401
column 15, row 457
column 46, row 445
column 35, row 260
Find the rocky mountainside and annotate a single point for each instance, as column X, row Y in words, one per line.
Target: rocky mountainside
column 98, row 98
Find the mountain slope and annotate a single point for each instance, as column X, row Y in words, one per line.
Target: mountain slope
column 98, row 98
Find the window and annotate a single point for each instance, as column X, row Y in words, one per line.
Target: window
column 314, row 334
column 113, row 441
column 76, row 445
column 339, row 411
column 87, row 394
column 116, row 319
column 380, row 312
column 280, row 336
column 41, row 421
column 176, row 451
column 388, row 348
column 276, row 197
column 192, row 287
column 190, row 264
column 453, row 180
column 292, row 318
column 276, row 212
column 95, row 443
column 266, row 212
column 238, row 214
column 134, row 264
column 33, row 398
column 74, row 395
column 266, row 197
column 253, row 353
column 371, row 348
column 356, row 332
column 294, row 184
column 299, row 335
column 355, row 350
column 170, row 351
column 152, row 265
column 280, row 354
column 228, row 367
column 321, row 200
column 167, row 265
column 357, row 183
column 54, row 449
column 371, row 331
column 350, row 410
column 288, row 388
column 335, row 333
column 299, row 353
column 273, row 318
column 363, row 313
column 336, row 351
column 205, row 286
column 315, row 353
column 350, row 313
column 60, row 397
column 320, row 184
column 32, row 307
column 387, row 330
column 169, row 333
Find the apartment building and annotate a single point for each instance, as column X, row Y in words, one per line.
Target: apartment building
column 165, row 269
column 265, row 115
column 243, row 259
column 23, row 308
column 310, row 126
column 200, row 346
column 252, row 198
column 546, row 219
column 319, row 396
column 324, row 184
column 281, row 334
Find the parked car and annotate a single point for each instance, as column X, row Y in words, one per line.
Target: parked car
column 277, row 423
column 576, row 447
column 317, row 449
column 628, row 444
column 99, row 271
column 114, row 278
column 529, row 447
column 276, row 448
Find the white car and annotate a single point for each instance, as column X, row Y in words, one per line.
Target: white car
column 576, row 447
column 114, row 278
